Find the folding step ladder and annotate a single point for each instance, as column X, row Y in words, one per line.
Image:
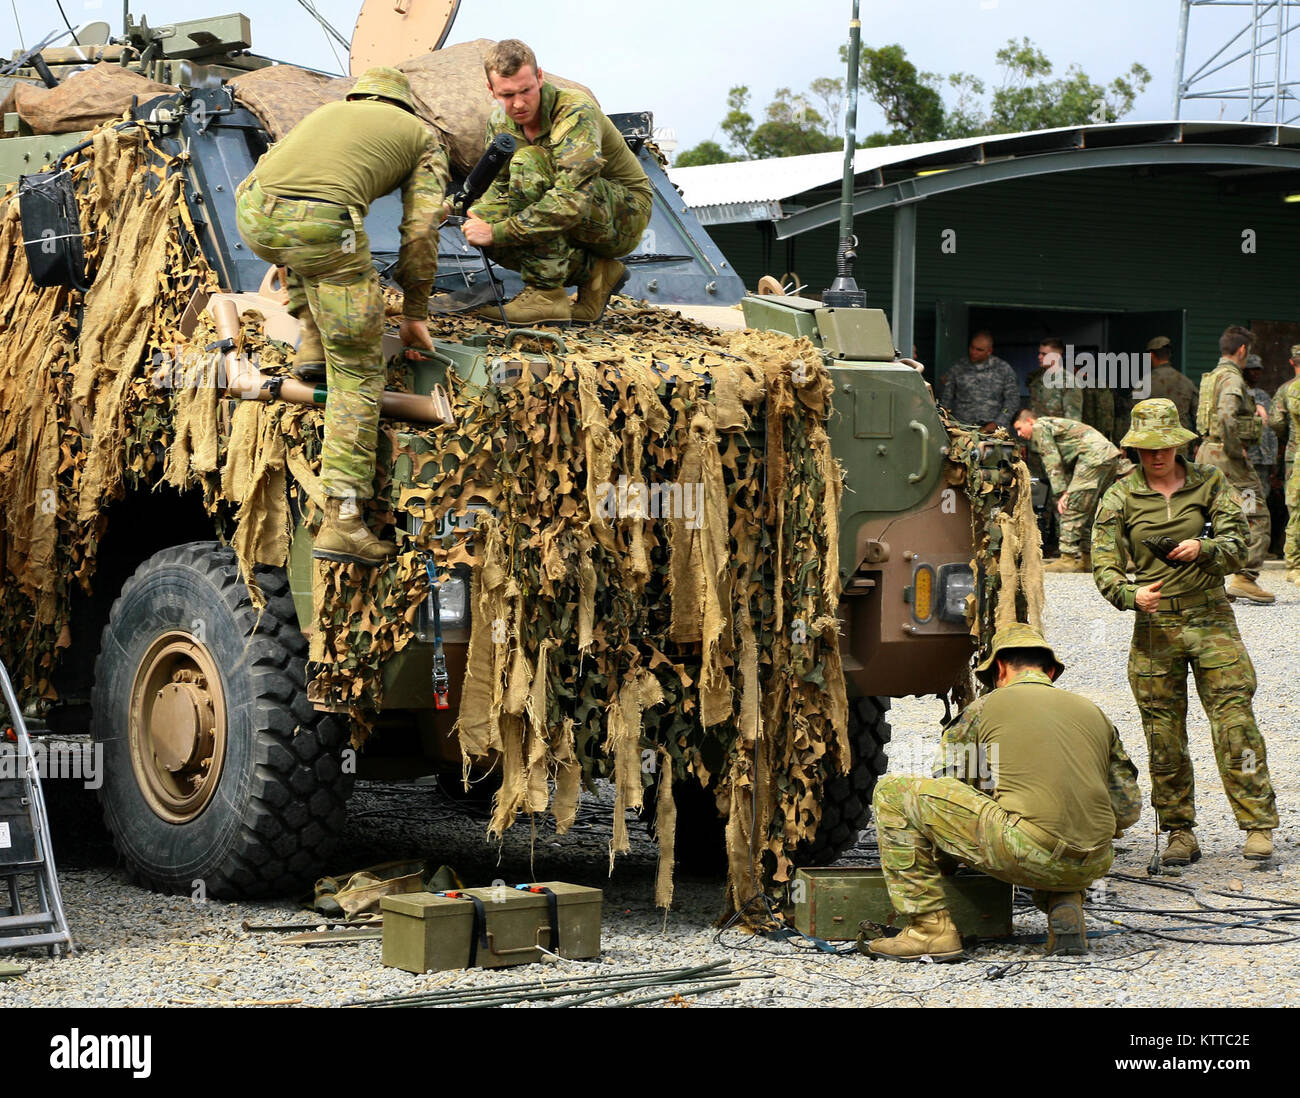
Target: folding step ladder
column 25, row 848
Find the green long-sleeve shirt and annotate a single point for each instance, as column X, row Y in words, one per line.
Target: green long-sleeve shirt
column 1047, row 754
column 1131, row 511
column 352, row 153
column 584, row 145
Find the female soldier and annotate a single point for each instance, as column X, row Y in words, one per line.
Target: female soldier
column 1151, row 522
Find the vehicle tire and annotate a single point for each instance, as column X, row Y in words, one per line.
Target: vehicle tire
column 219, row 778
column 846, row 799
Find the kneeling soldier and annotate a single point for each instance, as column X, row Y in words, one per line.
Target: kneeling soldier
column 1081, row 463
column 1060, row 789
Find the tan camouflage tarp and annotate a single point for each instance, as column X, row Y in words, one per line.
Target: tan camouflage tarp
column 84, row 100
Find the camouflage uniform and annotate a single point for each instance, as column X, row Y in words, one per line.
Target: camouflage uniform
column 574, row 194
column 1194, row 626
column 303, row 208
column 1229, row 423
column 1286, row 417
column 1167, row 382
column 1054, row 400
column 1004, row 832
column 1078, row 460
column 988, row 393
column 1099, row 411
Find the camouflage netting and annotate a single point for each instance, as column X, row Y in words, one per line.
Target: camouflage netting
column 86, row 99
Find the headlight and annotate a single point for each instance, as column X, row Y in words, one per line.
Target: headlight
column 955, row 583
column 453, row 603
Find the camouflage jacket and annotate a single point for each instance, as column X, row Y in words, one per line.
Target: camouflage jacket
column 1286, row 424
column 1227, row 410
column 1131, row 511
column 1054, row 400
column 971, row 749
column 1099, row 411
column 1167, row 382
column 1264, row 452
column 584, row 145
column 981, row 394
column 1071, row 453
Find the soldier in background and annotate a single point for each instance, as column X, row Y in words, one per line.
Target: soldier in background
column 1263, row 454
column 1033, row 786
column 1229, row 420
column 1048, row 395
column 1183, row 620
column 981, row 388
column 303, row 207
column 1169, row 383
column 1081, row 464
column 572, row 202
column 1285, row 419
column 1288, row 431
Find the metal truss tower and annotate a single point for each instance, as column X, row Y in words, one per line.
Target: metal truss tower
column 1250, row 68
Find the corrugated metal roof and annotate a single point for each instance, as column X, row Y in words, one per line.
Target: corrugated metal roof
column 756, row 182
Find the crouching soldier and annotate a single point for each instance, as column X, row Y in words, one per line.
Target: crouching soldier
column 1059, row 787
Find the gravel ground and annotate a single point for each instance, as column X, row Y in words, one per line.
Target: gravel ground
column 143, row 949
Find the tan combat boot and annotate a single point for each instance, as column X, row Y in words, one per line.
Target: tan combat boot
column 346, row 539
column 607, row 278
column 1241, row 587
column 533, row 306
column 1182, row 848
column 1065, row 931
column 1293, row 575
column 1087, row 562
column 932, row 935
column 309, row 358
column 1259, row 846
column 1067, row 564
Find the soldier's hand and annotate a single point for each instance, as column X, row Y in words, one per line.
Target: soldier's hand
column 1148, row 598
column 477, row 232
column 1261, row 412
column 415, row 333
column 1061, row 503
column 1185, row 551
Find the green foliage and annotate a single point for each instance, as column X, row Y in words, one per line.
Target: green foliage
column 706, row 152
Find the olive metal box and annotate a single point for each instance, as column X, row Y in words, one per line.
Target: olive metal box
column 429, row 932
column 831, row 902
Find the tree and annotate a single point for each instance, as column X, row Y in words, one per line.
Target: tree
column 910, row 100
column 706, row 152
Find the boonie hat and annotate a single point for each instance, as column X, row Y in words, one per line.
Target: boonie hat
column 1155, row 425
column 385, row 82
column 1159, row 343
column 1018, row 635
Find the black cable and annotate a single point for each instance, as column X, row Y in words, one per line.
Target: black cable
column 70, row 27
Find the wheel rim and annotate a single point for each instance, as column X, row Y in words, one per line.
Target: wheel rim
column 177, row 727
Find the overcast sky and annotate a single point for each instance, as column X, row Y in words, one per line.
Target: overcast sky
column 679, row 57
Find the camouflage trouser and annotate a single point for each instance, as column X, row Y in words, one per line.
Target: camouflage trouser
column 918, row 817
column 1291, row 552
column 612, row 227
column 1206, row 637
column 333, row 282
column 1254, row 501
column 1086, row 488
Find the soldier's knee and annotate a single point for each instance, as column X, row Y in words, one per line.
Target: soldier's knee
column 532, row 172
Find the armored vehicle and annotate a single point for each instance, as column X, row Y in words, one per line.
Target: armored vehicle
column 166, row 602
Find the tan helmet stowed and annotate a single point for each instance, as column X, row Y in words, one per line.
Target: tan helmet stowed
column 1155, row 426
column 388, row 83
column 1017, row 635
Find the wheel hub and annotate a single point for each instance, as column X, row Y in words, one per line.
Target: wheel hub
column 177, row 727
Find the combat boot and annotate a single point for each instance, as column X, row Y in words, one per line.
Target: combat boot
column 1182, row 848
column 1065, row 931
column 1241, row 587
column 348, row 540
column 1259, row 845
column 932, row 935
column 1067, row 564
column 309, row 358
column 1293, row 576
column 607, row 278
column 533, row 306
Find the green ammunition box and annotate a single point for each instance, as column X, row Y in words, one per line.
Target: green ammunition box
column 833, row 901
column 425, row 932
